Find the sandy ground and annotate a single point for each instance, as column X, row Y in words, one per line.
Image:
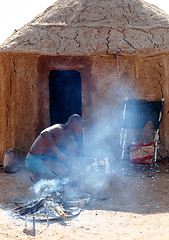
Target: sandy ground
column 138, row 209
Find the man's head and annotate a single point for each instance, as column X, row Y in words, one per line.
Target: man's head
column 76, row 123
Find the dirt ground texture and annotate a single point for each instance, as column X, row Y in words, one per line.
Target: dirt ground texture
column 138, row 209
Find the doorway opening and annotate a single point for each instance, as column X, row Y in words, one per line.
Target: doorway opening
column 65, row 95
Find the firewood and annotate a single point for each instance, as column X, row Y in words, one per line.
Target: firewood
column 30, row 209
column 60, row 211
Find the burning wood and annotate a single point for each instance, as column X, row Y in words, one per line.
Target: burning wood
column 60, row 211
column 46, row 208
column 30, row 208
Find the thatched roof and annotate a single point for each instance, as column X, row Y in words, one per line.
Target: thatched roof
column 84, row 27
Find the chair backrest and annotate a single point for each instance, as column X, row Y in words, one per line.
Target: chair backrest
column 137, row 113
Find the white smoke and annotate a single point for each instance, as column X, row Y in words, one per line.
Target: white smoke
column 45, row 187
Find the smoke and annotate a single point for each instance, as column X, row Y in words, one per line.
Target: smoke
column 102, row 139
column 44, row 187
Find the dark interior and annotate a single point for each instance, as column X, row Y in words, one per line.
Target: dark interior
column 65, row 95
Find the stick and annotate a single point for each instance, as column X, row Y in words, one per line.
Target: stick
column 47, row 219
column 60, row 211
column 34, row 230
column 26, row 217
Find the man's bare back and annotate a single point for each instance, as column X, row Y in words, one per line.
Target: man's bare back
column 53, row 139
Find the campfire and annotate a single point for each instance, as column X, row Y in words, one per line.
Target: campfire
column 51, row 207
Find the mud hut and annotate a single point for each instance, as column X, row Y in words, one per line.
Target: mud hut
column 103, row 51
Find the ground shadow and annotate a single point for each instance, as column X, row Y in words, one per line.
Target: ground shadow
column 129, row 192
column 132, row 191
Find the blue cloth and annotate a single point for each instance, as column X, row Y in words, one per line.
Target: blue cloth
column 35, row 164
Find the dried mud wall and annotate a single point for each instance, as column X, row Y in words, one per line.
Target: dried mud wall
column 19, row 101
column 106, row 82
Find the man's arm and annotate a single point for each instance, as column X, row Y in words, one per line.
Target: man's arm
column 47, row 138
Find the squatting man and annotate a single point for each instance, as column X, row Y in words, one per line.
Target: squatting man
column 53, row 150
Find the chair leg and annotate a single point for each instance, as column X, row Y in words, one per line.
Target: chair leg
column 123, row 142
column 155, row 150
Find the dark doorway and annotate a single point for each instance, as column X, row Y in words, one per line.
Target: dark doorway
column 65, row 95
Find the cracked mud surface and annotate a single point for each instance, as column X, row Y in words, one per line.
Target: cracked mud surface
column 89, row 27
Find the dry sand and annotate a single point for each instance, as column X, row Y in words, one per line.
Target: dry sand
column 138, row 209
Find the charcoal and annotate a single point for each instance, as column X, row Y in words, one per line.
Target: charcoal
column 30, row 209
